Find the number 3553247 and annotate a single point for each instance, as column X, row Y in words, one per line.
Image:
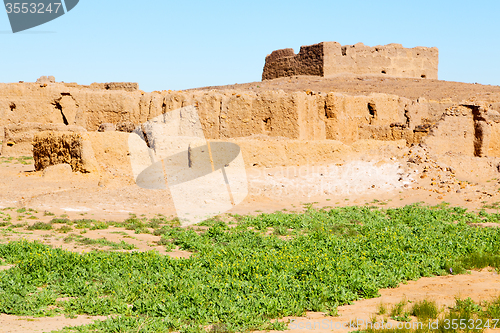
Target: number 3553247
column 470, row 324
column 32, row 8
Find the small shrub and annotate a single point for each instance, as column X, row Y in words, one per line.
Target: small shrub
column 493, row 310
column 135, row 224
column 382, row 309
column 99, row 225
column 161, row 231
column 425, row 310
column 40, row 226
column 398, row 308
column 83, row 223
column 64, row 229
column 60, row 221
column 155, row 223
column 167, row 243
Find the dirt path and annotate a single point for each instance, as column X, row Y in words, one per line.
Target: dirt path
column 17, row 324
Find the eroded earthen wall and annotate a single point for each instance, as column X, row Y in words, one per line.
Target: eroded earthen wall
column 282, row 63
column 468, row 129
column 454, row 133
column 330, row 59
column 223, row 114
column 234, row 114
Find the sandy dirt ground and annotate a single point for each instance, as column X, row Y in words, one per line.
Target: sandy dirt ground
column 15, row 324
column 81, row 197
column 386, row 183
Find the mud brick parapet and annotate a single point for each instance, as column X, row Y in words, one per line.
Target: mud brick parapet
column 330, row 58
column 127, row 86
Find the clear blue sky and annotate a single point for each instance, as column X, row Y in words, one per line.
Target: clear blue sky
column 187, row 44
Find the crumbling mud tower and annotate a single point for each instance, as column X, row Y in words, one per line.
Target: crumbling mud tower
column 330, row 59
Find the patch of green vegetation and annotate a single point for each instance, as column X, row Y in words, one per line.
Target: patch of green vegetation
column 47, row 213
column 6, row 159
column 83, row 223
column 5, row 217
column 40, row 226
column 240, row 278
column 281, row 231
column 494, row 205
column 99, row 225
column 123, row 233
column 405, row 317
column 64, row 229
column 26, row 160
column 99, row 242
column 167, row 243
column 136, row 224
column 61, row 221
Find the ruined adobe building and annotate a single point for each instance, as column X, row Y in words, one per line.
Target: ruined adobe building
column 326, row 123
column 328, row 59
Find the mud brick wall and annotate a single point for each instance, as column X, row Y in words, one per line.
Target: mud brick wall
column 330, row 58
